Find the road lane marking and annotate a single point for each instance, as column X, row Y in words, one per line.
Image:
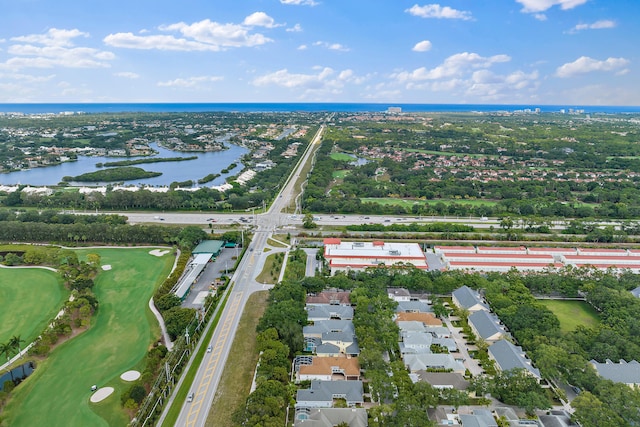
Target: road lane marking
column 216, row 354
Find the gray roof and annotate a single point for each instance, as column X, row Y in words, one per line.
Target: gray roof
column 424, row 361
column 327, row 350
column 486, row 324
column 398, row 292
column 478, row 420
column 636, row 292
column 322, row 326
column 411, row 326
column 330, row 417
column 413, row 307
column 509, row 356
column 623, row 372
column 467, row 297
column 324, row 391
column 327, row 312
column 554, row 421
column 416, row 342
column 443, row 379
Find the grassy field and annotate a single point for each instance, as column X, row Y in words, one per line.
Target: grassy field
column 29, row 299
column 340, row 174
column 571, row 314
column 342, row 157
column 58, row 392
column 236, row 379
column 265, row 275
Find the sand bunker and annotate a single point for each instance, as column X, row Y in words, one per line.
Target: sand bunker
column 101, row 394
column 106, row 267
column 159, row 252
column 130, row 376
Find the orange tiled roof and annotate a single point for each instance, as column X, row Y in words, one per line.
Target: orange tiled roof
column 426, row 318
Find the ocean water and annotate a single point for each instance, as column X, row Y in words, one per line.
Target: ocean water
column 293, row 107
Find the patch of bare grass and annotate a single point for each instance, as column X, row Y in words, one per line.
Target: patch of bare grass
column 238, row 373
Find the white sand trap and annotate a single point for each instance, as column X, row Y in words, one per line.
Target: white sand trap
column 106, row 267
column 101, row 394
column 130, row 376
column 159, row 252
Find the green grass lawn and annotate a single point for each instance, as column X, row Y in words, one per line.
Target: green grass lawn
column 237, row 376
column 571, row 314
column 29, row 299
column 342, row 157
column 58, row 392
column 340, row 174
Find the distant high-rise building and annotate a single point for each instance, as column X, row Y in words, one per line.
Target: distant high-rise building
column 394, row 110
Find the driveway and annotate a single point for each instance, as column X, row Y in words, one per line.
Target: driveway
column 471, row 364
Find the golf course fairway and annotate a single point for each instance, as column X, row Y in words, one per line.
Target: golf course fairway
column 29, row 299
column 58, row 392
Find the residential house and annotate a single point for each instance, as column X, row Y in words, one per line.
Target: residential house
column 479, row 418
column 468, row 299
column 331, row 417
column 429, row 361
column 624, row 372
column 330, row 369
column 442, row 380
column 413, row 307
column 486, row 326
column 328, row 312
column 323, row 393
column 509, row 356
column 330, row 297
column 398, row 294
column 425, row 318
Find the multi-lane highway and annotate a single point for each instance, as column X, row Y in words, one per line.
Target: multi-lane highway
column 195, row 411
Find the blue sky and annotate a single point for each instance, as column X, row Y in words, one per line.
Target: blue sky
column 581, row 52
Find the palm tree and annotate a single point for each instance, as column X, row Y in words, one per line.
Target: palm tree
column 15, row 342
column 6, row 349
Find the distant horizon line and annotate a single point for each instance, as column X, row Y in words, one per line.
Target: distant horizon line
column 315, row 102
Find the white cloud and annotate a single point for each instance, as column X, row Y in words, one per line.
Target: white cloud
column 437, row 11
column 584, row 64
column 332, row 46
column 325, row 80
column 204, row 35
column 598, row 25
column 160, row 42
column 455, row 65
column 423, row 46
column 295, row 29
column 540, row 16
column 53, row 37
column 533, row 6
column 27, row 77
column 190, row 82
column 286, row 79
column 487, row 85
column 127, row 75
column 55, row 48
column 303, row 47
column 299, row 2
column 260, row 19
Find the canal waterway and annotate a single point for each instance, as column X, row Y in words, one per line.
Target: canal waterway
column 206, row 163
